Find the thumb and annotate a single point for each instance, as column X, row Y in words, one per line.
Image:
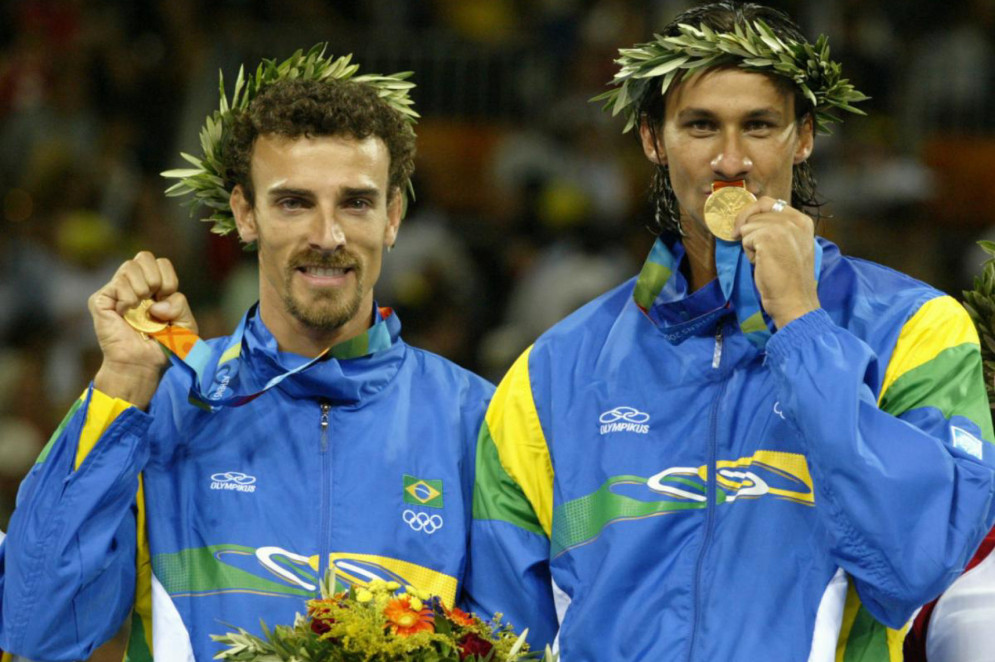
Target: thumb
column 175, row 309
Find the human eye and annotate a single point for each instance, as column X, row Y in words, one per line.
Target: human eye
column 758, row 127
column 700, row 126
column 291, row 203
column 359, row 204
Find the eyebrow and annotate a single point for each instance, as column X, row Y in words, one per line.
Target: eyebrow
column 768, row 113
column 279, row 191
column 361, row 192
column 348, row 191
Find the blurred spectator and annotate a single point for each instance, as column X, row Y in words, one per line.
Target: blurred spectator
column 950, row 79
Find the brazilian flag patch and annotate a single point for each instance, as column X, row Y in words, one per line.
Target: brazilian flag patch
column 422, row 492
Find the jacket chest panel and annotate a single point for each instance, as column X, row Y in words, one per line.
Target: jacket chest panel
column 265, row 502
column 648, row 457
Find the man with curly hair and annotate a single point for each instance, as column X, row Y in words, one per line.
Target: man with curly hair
column 757, row 449
column 219, row 493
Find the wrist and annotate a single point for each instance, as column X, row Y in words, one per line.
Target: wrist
column 133, row 384
column 786, row 318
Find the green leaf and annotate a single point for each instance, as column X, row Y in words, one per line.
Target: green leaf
column 622, row 99
column 665, row 67
column 756, row 46
column 180, row 173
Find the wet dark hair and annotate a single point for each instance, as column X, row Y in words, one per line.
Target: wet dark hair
column 724, row 17
column 295, row 108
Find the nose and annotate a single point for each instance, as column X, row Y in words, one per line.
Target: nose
column 732, row 161
column 326, row 232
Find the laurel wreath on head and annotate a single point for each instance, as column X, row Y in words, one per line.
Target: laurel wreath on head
column 980, row 305
column 205, row 181
column 754, row 48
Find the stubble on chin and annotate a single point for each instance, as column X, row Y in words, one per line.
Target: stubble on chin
column 323, row 316
column 326, row 311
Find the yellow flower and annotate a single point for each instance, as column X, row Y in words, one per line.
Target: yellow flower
column 362, row 595
column 390, row 586
column 416, row 604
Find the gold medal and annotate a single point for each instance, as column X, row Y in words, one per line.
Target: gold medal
column 722, row 207
column 140, row 319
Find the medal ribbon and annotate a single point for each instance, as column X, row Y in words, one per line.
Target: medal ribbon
column 735, row 274
column 656, row 281
column 212, row 378
column 738, row 287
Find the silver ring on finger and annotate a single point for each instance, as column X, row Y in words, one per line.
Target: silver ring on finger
column 778, row 205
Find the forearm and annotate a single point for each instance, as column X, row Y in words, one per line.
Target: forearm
column 905, row 508
column 68, row 575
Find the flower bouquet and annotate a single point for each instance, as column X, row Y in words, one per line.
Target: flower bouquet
column 380, row 622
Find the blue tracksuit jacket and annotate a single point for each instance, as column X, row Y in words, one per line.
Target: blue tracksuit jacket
column 709, row 500
column 362, row 463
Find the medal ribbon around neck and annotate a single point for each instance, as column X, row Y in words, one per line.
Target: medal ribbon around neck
column 735, row 275
column 211, row 379
column 735, row 272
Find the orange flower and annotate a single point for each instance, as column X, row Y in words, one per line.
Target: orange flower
column 459, row 617
column 405, row 621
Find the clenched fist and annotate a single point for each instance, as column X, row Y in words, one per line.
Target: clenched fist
column 780, row 245
column 133, row 363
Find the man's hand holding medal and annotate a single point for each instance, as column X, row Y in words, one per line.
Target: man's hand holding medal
column 141, row 301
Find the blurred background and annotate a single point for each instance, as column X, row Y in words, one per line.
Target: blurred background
column 530, row 201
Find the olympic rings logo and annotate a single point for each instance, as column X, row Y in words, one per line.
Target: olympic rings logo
column 422, row 522
column 627, row 414
column 236, row 477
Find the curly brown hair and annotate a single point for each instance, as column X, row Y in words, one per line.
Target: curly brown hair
column 295, row 108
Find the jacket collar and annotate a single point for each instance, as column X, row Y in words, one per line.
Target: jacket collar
column 355, row 369
column 661, row 292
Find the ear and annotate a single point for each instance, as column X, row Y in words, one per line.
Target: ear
column 806, row 139
column 245, row 218
column 653, row 150
column 395, row 209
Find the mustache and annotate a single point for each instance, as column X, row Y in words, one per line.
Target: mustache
column 340, row 259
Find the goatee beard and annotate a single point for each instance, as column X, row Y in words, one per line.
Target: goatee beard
column 327, row 311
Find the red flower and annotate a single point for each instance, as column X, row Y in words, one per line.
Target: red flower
column 472, row 644
column 321, row 626
column 320, row 612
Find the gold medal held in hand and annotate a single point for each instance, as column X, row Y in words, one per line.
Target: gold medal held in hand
column 723, row 205
column 140, row 319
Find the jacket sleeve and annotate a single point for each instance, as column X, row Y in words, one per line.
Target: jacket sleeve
column 508, row 570
column 67, row 566
column 904, row 480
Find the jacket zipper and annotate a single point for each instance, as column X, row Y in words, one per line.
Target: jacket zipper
column 711, row 484
column 717, row 352
column 326, row 497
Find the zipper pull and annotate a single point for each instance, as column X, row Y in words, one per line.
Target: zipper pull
column 325, row 407
column 717, row 354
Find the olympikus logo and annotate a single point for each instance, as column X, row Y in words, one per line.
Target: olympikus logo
column 222, row 385
column 624, row 419
column 233, row 480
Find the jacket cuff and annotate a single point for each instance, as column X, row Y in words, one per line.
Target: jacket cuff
column 809, row 326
